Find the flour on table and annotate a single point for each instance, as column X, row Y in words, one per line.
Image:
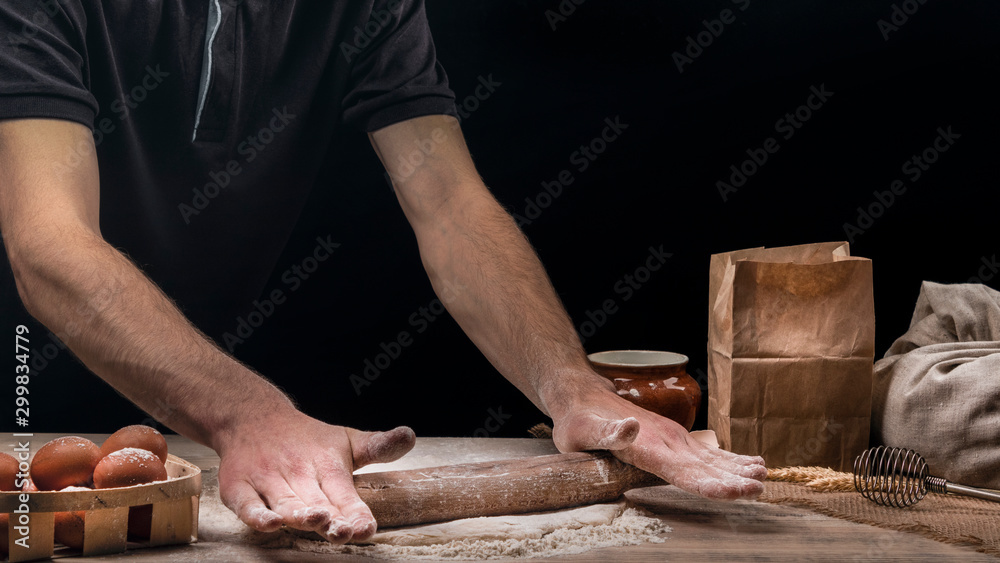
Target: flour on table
column 547, row 534
column 531, row 535
column 501, row 527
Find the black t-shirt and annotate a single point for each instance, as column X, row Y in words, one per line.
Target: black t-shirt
column 207, row 156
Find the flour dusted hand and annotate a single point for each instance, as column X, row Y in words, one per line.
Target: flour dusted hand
column 509, row 309
column 298, row 472
column 594, row 417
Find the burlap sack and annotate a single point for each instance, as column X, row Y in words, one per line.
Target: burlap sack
column 937, row 390
column 791, row 346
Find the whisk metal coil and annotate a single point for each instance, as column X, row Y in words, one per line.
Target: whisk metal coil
column 891, row 476
column 900, row 478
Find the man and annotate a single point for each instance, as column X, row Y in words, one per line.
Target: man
column 221, row 119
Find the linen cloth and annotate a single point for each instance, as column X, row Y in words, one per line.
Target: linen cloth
column 937, row 390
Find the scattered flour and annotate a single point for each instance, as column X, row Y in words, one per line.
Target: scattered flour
column 602, row 469
column 132, row 456
column 523, row 536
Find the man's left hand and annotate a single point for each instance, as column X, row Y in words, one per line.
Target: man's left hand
column 594, row 417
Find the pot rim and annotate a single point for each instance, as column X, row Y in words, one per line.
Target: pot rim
column 638, row 358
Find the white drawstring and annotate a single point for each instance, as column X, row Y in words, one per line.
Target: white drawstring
column 214, row 21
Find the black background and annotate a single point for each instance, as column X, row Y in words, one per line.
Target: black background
column 653, row 186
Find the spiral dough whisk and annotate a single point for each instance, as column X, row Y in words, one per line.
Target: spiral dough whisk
column 899, row 477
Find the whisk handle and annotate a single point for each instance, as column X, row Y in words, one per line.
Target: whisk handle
column 971, row 491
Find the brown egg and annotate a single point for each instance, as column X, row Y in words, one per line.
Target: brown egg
column 127, row 467
column 8, row 472
column 29, row 486
column 65, row 462
column 69, row 528
column 137, row 436
column 69, row 525
column 4, row 545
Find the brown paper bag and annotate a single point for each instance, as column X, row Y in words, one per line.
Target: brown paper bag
column 791, row 345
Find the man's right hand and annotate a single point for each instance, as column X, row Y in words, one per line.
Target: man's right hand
column 280, row 467
column 295, row 470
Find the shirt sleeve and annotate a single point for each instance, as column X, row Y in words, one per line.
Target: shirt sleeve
column 43, row 62
column 395, row 74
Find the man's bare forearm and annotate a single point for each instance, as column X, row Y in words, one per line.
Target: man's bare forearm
column 482, row 266
column 277, row 465
column 494, row 285
column 496, row 288
column 129, row 333
column 95, row 300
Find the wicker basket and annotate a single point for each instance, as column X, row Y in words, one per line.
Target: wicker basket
column 175, row 514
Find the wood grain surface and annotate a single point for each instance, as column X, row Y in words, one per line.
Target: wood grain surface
column 495, row 488
column 702, row 530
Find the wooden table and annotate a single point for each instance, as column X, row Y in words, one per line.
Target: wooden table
column 703, row 530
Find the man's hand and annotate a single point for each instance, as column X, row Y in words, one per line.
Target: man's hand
column 297, row 471
column 594, row 417
column 509, row 309
column 277, row 467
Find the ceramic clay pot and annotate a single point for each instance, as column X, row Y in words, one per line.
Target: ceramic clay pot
column 655, row 381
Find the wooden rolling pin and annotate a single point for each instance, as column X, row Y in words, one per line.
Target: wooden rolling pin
column 512, row 486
